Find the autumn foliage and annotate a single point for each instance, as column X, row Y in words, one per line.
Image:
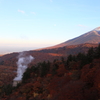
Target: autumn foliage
column 74, row 78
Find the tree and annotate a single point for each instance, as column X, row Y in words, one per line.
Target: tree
column 70, row 58
column 54, row 68
column 90, row 55
column 44, row 68
column 26, row 75
column 97, row 52
column 7, row 89
column 62, row 59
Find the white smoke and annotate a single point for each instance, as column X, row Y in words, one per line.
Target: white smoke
column 22, row 64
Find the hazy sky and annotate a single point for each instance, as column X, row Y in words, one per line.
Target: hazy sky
column 30, row 24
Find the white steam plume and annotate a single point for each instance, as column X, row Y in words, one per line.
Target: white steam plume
column 22, row 64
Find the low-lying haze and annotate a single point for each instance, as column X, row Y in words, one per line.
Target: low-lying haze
column 32, row 24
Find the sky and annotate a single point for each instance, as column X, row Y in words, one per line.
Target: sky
column 31, row 24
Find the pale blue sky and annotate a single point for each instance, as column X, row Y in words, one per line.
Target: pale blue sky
column 31, row 24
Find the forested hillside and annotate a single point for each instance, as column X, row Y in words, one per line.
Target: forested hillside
column 74, row 78
column 47, row 54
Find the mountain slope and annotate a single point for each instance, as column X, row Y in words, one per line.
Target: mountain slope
column 89, row 37
column 73, row 46
column 47, row 54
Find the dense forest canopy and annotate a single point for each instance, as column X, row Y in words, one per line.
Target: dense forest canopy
column 74, row 78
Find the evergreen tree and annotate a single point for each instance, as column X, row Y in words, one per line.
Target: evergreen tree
column 90, row 55
column 26, row 75
column 44, row 68
column 70, row 58
column 54, row 68
column 97, row 52
column 83, row 59
column 7, row 89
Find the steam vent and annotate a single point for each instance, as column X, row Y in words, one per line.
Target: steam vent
column 15, row 82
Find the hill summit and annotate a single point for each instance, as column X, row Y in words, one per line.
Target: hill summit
column 92, row 36
column 97, row 29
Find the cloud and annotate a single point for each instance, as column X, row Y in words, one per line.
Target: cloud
column 33, row 13
column 82, row 25
column 24, row 37
column 21, row 11
column 51, row 1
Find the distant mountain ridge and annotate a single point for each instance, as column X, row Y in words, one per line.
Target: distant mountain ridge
column 89, row 37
